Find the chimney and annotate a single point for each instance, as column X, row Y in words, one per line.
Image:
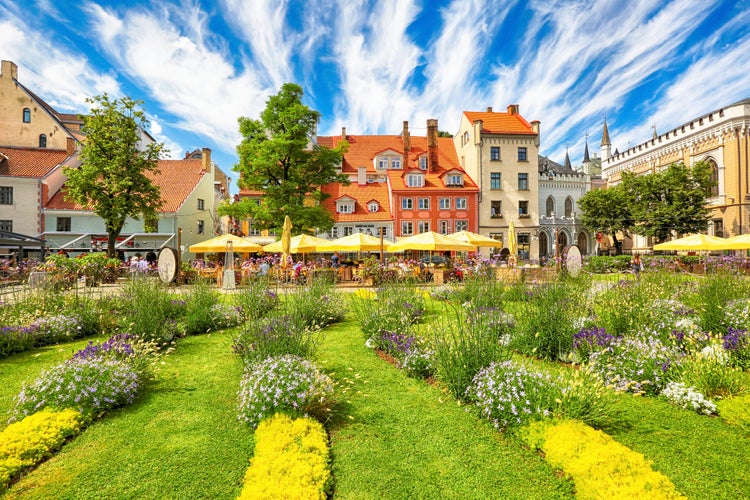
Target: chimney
column 206, row 160
column 513, row 109
column 9, row 70
column 489, row 109
column 406, row 138
column 361, row 176
column 343, row 133
column 432, row 145
column 535, row 128
column 70, row 145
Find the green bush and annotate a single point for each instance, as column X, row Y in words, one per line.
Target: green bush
column 276, row 335
column 148, row 311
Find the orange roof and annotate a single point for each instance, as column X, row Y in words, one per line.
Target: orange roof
column 176, row 180
column 363, row 195
column 29, row 162
column 500, row 123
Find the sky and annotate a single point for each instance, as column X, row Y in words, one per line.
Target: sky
column 368, row 66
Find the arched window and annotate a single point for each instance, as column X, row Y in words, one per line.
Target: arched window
column 568, row 207
column 42, row 141
column 26, row 115
column 714, row 177
column 550, row 206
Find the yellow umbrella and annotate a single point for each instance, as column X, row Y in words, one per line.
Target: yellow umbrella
column 220, row 244
column 512, row 244
column 476, row 239
column 286, row 241
column 739, row 242
column 302, row 243
column 357, row 242
column 693, row 242
column 431, row 241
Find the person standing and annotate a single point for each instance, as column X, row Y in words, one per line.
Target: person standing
column 636, row 264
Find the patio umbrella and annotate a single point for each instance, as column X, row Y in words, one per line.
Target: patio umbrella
column 476, row 239
column 357, row 242
column 512, row 244
column 431, row 241
column 302, row 243
column 219, row 244
column 694, row 242
column 739, row 242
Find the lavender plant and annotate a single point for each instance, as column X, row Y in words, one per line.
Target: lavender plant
column 275, row 335
column 284, row 384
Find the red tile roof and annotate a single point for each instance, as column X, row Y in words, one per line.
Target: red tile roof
column 500, row 123
column 363, row 194
column 29, row 162
column 177, row 179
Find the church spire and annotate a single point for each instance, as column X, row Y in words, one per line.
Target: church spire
column 586, row 157
column 606, row 147
column 567, row 159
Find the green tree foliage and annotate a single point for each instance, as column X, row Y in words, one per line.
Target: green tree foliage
column 115, row 162
column 671, row 200
column 607, row 211
column 277, row 156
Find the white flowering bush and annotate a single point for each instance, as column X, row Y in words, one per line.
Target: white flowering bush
column 52, row 329
column 688, row 398
column 738, row 314
column 284, row 384
column 226, row 315
column 419, row 362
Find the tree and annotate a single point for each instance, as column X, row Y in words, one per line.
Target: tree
column 671, row 200
column 607, row 211
column 115, row 161
column 278, row 157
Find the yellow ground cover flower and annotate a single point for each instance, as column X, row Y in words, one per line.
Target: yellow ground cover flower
column 28, row 442
column 291, row 460
column 599, row 466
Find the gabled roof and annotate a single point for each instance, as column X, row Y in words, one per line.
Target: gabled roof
column 176, row 179
column 30, row 162
column 500, row 123
column 362, row 194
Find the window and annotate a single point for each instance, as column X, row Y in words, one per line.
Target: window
column 26, row 115
column 568, row 207
column 495, row 180
column 455, row 180
column 461, row 204
column 718, row 227
column 345, row 208
column 445, row 203
column 373, row 206
column 523, row 209
column 42, row 141
column 63, row 223
column 407, row 228
column 466, row 137
column 462, row 225
column 201, row 204
column 496, row 209
column 522, row 155
column 396, row 163
column 382, row 163
column 407, row 203
column 443, row 226
column 423, row 226
column 423, row 203
column 348, row 230
column 423, row 163
column 495, row 153
column 550, row 206
column 334, row 232
column 524, row 245
column 415, row 180
column 714, row 177
column 6, row 195
column 523, row 182
column 201, row 227
column 6, row 225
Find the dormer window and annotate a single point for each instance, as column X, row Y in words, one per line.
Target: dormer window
column 345, row 206
column 455, row 180
column 415, row 180
column 373, row 206
column 423, row 163
column 382, row 163
column 396, row 163
column 388, row 160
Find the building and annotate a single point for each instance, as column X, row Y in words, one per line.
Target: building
column 402, row 185
column 721, row 138
column 500, row 152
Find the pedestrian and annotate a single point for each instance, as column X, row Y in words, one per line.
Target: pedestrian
column 636, row 264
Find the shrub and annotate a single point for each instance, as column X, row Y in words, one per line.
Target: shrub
column 316, row 304
column 736, row 411
column 590, row 340
column 291, row 460
column 226, row 315
column 53, row 329
column 90, row 386
column 141, row 356
column 390, row 310
column 688, row 398
column 284, row 384
column 636, row 365
column 275, row 336
column 24, row 444
column 198, row 316
column 257, row 300
column 419, row 362
column 736, row 342
column 148, row 311
column 15, row 339
column 711, row 376
column 599, row 466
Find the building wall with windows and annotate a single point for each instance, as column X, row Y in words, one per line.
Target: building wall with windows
column 499, row 150
column 721, row 138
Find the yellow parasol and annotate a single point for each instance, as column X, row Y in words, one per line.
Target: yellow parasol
column 512, row 244
column 302, row 243
column 431, row 241
column 694, row 242
column 286, row 241
column 220, row 244
column 357, row 242
column 476, row 239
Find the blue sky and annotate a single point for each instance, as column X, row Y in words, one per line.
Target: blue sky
column 370, row 65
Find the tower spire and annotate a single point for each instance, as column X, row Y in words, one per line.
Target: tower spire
column 606, row 147
column 586, row 157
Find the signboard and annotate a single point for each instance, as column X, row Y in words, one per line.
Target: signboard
column 167, row 264
column 572, row 260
